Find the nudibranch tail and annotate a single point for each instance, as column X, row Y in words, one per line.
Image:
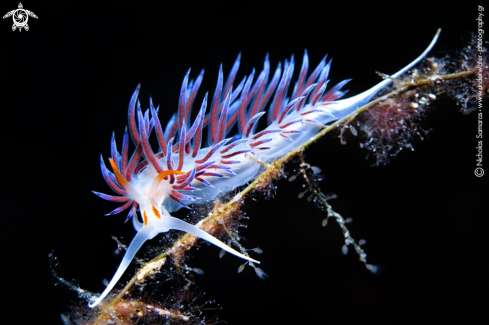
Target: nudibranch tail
column 361, row 99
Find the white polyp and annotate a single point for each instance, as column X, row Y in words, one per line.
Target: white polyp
column 221, row 253
column 316, row 169
column 259, row 272
column 372, row 268
column 197, row 270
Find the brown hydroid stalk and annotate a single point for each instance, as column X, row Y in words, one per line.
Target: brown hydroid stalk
column 325, row 206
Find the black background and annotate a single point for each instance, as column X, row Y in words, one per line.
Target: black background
column 65, row 87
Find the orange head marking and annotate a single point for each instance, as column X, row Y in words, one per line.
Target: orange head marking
column 157, row 213
column 145, row 218
column 165, row 173
column 160, row 177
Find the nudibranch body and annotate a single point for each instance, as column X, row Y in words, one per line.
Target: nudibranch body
column 182, row 172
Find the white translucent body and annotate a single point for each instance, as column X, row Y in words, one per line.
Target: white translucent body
column 140, row 188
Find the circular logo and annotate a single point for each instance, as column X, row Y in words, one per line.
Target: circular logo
column 479, row 172
column 20, row 18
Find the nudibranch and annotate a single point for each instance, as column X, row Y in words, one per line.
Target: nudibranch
column 183, row 172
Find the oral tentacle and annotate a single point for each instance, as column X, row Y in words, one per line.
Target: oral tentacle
column 177, row 224
column 133, row 248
